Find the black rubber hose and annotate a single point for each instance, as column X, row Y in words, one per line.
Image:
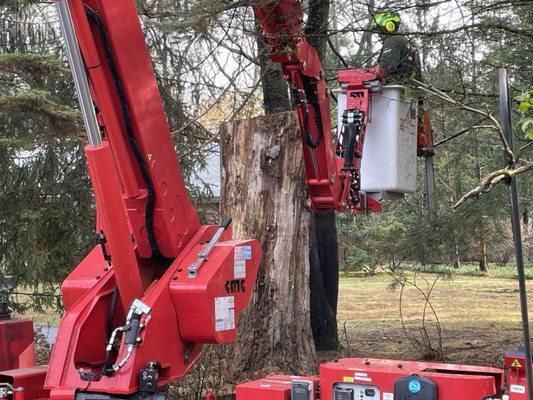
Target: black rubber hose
column 110, row 323
column 313, row 100
column 133, row 332
column 351, row 132
column 111, row 315
column 147, row 179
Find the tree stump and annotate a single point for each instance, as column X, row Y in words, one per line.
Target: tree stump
column 263, row 191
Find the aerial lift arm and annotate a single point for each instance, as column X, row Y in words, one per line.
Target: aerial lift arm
column 130, row 117
column 332, row 168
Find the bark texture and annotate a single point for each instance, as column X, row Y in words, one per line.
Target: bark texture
column 263, row 191
column 316, row 28
column 323, row 250
column 275, row 88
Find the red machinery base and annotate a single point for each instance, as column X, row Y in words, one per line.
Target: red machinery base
column 16, row 344
column 348, row 379
column 371, row 379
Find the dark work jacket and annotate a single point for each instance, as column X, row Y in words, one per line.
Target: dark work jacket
column 398, row 59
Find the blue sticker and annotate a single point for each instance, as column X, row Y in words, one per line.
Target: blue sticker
column 414, row 386
column 243, row 253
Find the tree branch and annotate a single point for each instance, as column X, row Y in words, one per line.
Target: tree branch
column 495, row 124
column 496, row 177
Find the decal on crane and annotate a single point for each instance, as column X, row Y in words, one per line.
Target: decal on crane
column 414, row 386
column 243, row 253
column 239, row 269
column 224, row 313
column 518, row 389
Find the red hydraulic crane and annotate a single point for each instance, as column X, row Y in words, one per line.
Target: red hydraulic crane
column 140, row 306
column 332, row 170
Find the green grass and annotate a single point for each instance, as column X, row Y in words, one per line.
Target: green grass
column 507, row 271
column 479, row 315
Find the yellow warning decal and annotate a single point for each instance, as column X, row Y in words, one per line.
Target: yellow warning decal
column 348, row 379
column 516, row 364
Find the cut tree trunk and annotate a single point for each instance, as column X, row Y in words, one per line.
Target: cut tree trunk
column 263, row 191
column 323, row 250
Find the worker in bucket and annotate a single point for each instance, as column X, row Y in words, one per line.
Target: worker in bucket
column 397, row 57
column 399, row 62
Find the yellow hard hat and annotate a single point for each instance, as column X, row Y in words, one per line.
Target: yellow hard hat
column 386, row 21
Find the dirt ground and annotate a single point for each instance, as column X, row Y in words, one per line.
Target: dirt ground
column 479, row 317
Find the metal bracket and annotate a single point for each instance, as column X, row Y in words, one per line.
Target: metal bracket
column 138, row 307
column 135, row 323
column 7, row 390
column 202, row 256
column 374, row 86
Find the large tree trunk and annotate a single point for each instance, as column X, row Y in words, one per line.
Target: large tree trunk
column 275, row 88
column 323, row 250
column 263, row 191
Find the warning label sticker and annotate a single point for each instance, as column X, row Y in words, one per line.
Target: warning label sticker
column 243, row 253
column 516, row 364
column 239, row 269
column 224, row 313
column 518, row 389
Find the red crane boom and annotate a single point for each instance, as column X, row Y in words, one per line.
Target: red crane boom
column 332, row 170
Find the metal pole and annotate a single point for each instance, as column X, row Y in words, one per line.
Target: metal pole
column 430, row 187
column 506, row 121
column 78, row 73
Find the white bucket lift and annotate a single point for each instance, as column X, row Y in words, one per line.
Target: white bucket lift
column 388, row 168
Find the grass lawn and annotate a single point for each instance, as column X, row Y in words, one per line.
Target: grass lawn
column 479, row 316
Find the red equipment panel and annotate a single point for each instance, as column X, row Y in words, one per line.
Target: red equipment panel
column 371, row 379
column 208, row 304
column 515, row 363
column 16, row 344
column 83, row 277
column 453, row 381
column 27, row 382
column 265, row 389
column 275, row 387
